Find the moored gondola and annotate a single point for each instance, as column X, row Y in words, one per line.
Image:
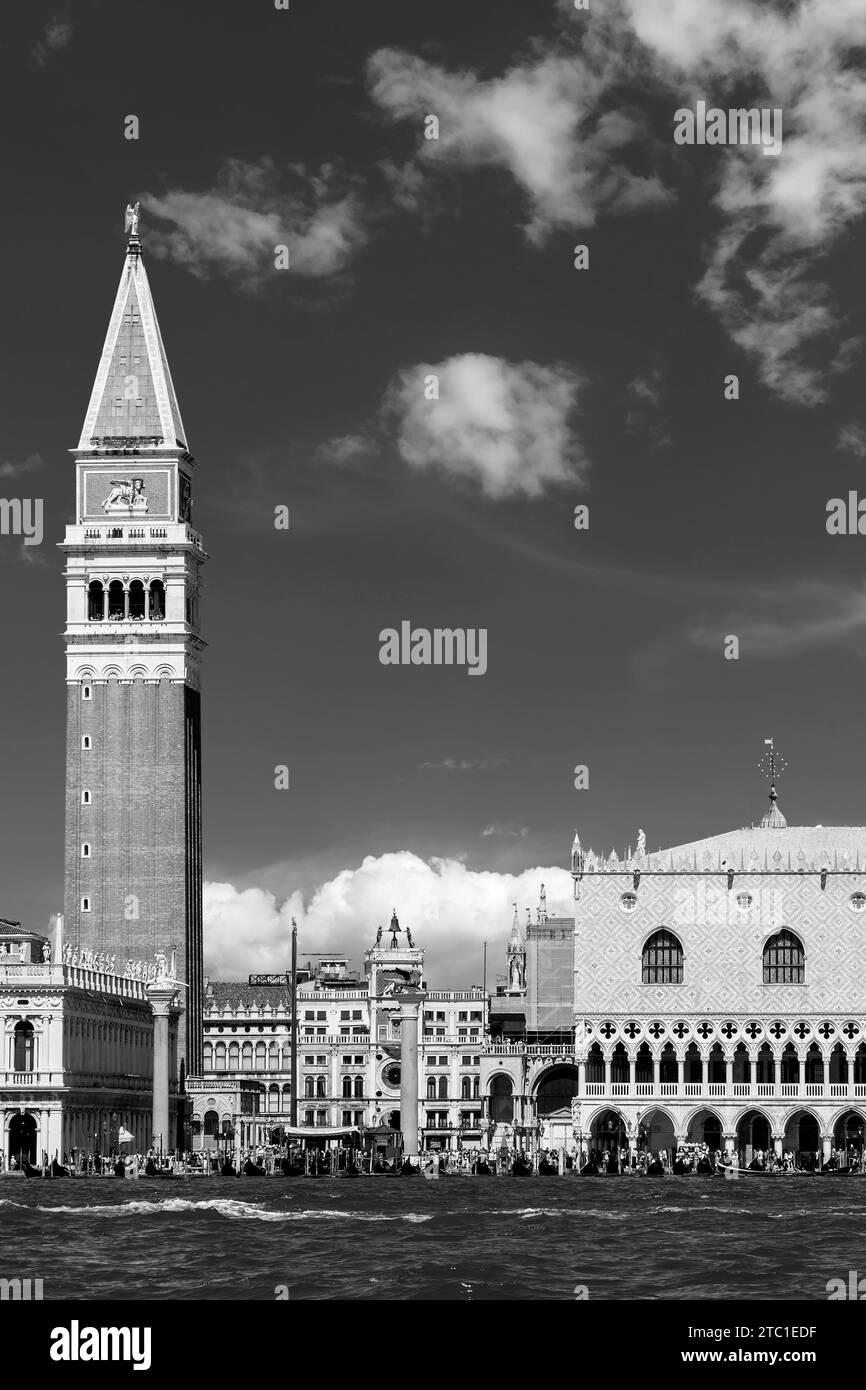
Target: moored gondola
column 521, row 1168
column 228, row 1170
column 58, row 1171
column 120, row 1168
column 547, row 1169
column 253, row 1170
column 290, row 1169
column 30, row 1171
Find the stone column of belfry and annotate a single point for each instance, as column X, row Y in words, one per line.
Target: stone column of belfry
column 410, row 1002
column 161, row 997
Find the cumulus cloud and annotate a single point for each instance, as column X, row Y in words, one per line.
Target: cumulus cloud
column 778, row 216
column 556, row 122
column 504, row 427
column 450, row 909
column 545, row 121
column 233, row 229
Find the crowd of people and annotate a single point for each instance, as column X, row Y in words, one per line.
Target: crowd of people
column 701, row 1159
column 275, row 1160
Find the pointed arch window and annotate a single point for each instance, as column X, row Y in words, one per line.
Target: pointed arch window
column 784, row 960
column 662, row 960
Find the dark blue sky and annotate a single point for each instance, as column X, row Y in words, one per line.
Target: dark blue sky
column 605, row 647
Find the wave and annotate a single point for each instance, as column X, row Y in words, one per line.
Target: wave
column 234, row 1210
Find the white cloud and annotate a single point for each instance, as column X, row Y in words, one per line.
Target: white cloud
column 540, row 121
column 643, row 415
column 234, row 228
column 450, row 909
column 347, row 449
column 853, row 438
column 504, row 427
column 790, row 617
column 556, row 123
column 647, row 386
column 56, row 36
column 31, row 464
column 778, row 217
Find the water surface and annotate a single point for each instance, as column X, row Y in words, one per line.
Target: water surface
column 457, row 1238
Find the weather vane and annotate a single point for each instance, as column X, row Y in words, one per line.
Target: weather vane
column 772, row 764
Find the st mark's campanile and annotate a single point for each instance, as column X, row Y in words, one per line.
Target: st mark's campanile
column 133, row 871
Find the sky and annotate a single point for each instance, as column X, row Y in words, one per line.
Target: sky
column 446, row 795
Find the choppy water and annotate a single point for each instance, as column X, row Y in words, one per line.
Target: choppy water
column 457, row 1238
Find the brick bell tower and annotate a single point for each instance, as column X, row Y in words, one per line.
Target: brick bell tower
column 133, row 871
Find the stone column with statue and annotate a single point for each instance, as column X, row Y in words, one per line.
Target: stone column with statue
column 411, row 999
column 161, row 993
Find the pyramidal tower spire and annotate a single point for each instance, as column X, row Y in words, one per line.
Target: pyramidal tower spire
column 133, row 870
column 133, row 400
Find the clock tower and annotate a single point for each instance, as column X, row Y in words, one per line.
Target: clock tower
column 133, row 870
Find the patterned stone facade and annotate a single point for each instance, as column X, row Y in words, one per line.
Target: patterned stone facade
column 702, row 1055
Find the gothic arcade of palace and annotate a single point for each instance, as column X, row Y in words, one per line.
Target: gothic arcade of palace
column 707, row 993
